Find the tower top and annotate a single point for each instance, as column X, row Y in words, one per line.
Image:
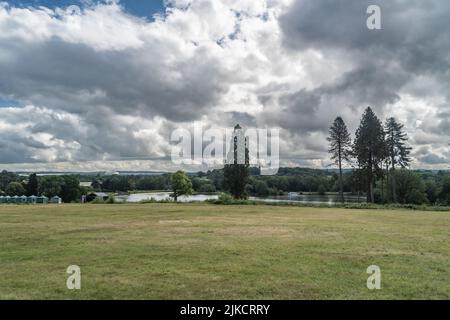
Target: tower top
column 237, row 127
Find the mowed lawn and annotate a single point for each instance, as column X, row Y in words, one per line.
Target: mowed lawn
column 201, row 251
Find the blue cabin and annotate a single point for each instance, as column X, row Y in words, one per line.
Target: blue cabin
column 32, row 199
column 42, row 199
column 56, row 200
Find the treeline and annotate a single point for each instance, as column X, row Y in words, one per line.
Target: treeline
column 287, row 180
column 413, row 187
column 66, row 186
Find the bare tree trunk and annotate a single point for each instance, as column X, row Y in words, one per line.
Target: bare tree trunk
column 382, row 182
column 386, row 184
column 394, row 191
column 370, row 195
column 341, row 185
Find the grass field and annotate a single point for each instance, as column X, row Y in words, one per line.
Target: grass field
column 201, row 251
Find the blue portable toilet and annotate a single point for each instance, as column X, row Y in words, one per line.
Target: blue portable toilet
column 2, row 199
column 56, row 200
column 32, row 199
column 23, row 199
column 7, row 199
column 42, row 199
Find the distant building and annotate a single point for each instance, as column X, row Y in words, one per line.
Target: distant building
column 23, row 199
column 94, row 195
column 31, row 199
column 56, row 200
column 42, row 199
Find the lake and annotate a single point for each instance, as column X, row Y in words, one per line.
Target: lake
column 312, row 199
column 160, row 196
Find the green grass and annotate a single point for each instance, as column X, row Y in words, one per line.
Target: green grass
column 203, row 251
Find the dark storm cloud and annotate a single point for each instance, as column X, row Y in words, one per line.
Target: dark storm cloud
column 413, row 42
column 14, row 148
column 414, row 33
column 77, row 78
column 313, row 110
column 433, row 159
column 444, row 124
column 413, row 28
column 243, row 118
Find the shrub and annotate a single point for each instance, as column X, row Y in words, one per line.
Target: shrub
column 111, row 199
column 98, row 200
column 15, row 189
column 207, row 188
column 153, row 200
column 227, row 199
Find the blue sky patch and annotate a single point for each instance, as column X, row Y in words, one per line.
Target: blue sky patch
column 5, row 103
column 138, row 8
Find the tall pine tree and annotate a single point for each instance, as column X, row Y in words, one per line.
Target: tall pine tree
column 340, row 148
column 236, row 175
column 398, row 151
column 32, row 185
column 369, row 149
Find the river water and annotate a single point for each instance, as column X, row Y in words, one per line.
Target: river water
column 292, row 198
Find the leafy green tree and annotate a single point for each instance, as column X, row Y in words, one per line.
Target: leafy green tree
column 410, row 187
column 322, row 189
column 15, row 189
column 397, row 150
column 32, row 185
column 340, row 148
column 369, row 149
column 117, row 183
column 50, row 186
column 217, row 177
column 96, row 183
column 260, row 188
column 6, row 178
column 207, row 188
column 444, row 194
column 432, row 191
column 70, row 189
column 236, row 177
column 181, row 184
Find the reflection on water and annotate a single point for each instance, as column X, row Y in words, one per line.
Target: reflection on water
column 161, row 196
column 291, row 198
column 311, row 198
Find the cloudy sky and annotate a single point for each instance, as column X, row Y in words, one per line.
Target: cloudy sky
column 101, row 85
